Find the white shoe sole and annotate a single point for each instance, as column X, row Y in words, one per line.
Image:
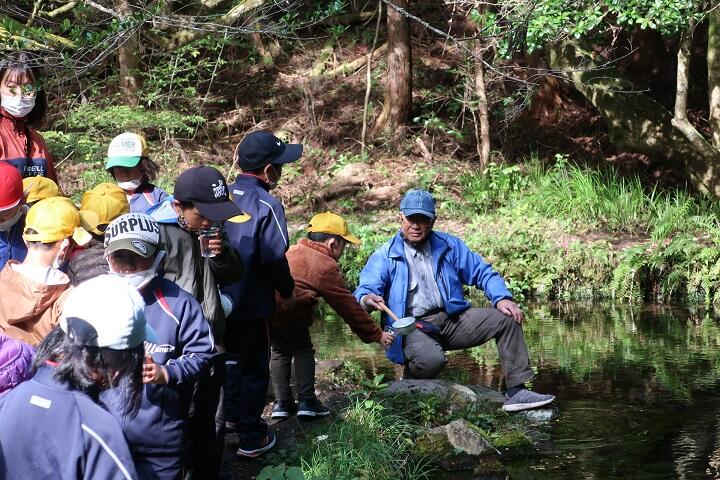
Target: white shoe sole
column 280, row 415
column 517, row 407
column 311, row 414
column 257, row 452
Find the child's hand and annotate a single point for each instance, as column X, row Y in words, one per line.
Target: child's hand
column 154, row 373
column 386, row 339
column 216, row 245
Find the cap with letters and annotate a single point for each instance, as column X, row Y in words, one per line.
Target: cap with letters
column 137, row 232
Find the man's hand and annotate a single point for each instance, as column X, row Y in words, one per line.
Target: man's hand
column 386, row 339
column 371, row 302
column 510, row 308
column 154, row 373
column 288, row 303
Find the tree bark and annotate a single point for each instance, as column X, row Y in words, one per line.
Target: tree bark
column 483, row 143
column 713, row 66
column 128, row 55
column 398, row 79
column 636, row 122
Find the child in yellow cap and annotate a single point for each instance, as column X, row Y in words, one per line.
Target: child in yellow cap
column 37, row 188
column 314, row 266
column 108, row 202
column 32, row 290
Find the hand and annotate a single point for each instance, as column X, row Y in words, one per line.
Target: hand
column 216, row 245
column 371, row 302
column 386, row 339
column 288, row 303
column 510, row 308
column 154, row 373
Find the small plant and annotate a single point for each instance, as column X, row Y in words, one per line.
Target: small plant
column 280, row 472
column 368, row 387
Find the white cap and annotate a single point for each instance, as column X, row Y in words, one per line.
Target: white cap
column 106, row 312
column 137, row 232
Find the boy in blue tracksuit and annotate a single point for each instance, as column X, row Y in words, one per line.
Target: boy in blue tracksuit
column 12, row 215
column 182, row 352
column 261, row 243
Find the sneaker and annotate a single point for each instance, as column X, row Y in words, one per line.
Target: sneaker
column 525, row 400
column 312, row 408
column 258, row 449
column 283, row 408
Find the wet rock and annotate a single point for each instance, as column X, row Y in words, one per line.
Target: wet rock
column 465, row 436
column 540, row 415
column 487, row 393
column 456, row 394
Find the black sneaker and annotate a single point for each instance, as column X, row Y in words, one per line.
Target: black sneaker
column 283, row 408
column 312, row 408
column 253, row 451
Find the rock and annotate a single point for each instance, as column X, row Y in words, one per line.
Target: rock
column 349, row 179
column 325, row 367
column 465, row 436
column 458, row 395
column 540, row 415
column 487, row 393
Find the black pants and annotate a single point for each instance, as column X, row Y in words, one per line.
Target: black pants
column 247, row 378
column 425, row 354
column 286, row 344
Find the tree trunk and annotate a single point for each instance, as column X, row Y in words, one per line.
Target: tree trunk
column 713, row 66
column 128, row 57
column 636, row 122
column 398, row 79
column 483, row 146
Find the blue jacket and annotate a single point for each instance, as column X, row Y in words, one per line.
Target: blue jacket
column 261, row 243
column 51, row 431
column 11, row 243
column 146, row 197
column 185, row 347
column 386, row 274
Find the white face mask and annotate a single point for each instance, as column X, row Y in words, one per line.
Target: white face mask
column 130, row 185
column 138, row 280
column 56, row 263
column 8, row 224
column 17, row 105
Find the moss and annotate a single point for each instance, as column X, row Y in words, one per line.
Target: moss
column 513, row 439
column 434, row 445
column 490, row 467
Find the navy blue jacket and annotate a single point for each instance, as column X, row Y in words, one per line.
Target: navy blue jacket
column 11, row 243
column 455, row 265
column 261, row 243
column 185, row 347
column 48, row 430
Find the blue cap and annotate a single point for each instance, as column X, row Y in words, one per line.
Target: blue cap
column 262, row 148
column 418, row 201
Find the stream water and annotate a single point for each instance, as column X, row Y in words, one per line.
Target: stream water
column 637, row 388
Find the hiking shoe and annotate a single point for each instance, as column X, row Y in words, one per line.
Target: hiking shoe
column 253, row 451
column 525, row 400
column 312, row 408
column 283, row 408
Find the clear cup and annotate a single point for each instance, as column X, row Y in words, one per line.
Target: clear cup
column 204, row 237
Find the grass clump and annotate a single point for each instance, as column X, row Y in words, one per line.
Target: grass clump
column 367, row 442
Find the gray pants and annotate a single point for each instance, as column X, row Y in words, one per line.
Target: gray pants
column 425, row 354
column 286, row 344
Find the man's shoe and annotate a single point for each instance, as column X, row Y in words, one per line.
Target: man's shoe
column 525, row 400
column 312, row 408
column 253, row 451
column 283, row 408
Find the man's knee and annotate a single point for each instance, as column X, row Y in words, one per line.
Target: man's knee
column 427, row 364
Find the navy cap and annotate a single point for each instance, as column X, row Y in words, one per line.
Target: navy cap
column 262, row 148
column 418, row 201
column 206, row 188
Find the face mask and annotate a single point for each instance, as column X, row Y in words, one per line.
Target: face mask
column 130, row 185
column 138, row 280
column 17, row 105
column 56, row 263
column 8, row 224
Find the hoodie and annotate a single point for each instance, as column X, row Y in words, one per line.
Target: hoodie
column 29, row 309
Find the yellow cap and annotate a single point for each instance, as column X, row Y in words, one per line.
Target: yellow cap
column 37, row 188
column 333, row 224
column 108, row 201
column 57, row 218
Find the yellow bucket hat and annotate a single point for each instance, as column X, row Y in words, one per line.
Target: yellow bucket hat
column 37, row 188
column 57, row 218
column 108, row 201
column 333, row 224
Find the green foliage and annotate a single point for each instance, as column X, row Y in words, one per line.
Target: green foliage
column 109, row 121
column 493, row 187
column 280, row 472
column 368, row 387
column 368, row 441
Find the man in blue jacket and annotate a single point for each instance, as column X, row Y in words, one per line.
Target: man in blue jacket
column 261, row 243
column 157, row 435
column 421, row 273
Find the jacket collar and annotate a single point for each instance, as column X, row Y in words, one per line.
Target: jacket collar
column 251, row 180
column 45, row 375
column 437, row 245
column 319, row 246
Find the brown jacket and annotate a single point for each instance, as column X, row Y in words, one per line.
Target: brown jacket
column 317, row 275
column 28, row 310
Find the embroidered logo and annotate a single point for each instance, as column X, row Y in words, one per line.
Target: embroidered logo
column 219, row 190
column 151, row 348
column 139, row 246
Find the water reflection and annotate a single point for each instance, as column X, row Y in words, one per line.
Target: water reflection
column 637, row 388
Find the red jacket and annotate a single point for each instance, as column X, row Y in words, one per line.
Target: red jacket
column 31, row 158
column 318, row 275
